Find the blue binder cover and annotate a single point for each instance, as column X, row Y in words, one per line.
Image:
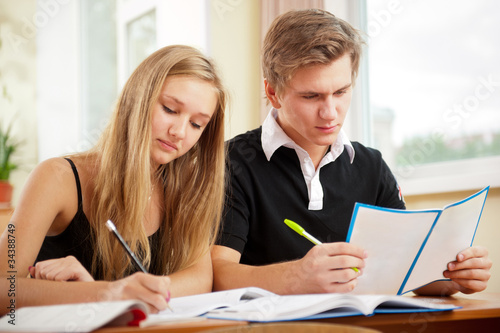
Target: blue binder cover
column 408, row 249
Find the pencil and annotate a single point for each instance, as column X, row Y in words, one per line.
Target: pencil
column 131, row 254
column 111, row 226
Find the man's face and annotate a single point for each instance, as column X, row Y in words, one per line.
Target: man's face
column 313, row 106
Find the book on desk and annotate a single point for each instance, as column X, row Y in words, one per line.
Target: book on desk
column 249, row 304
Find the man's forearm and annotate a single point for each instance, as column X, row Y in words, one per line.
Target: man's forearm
column 278, row 278
column 438, row 288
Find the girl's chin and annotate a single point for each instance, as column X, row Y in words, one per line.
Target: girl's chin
column 162, row 160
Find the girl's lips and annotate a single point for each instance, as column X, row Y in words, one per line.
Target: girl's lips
column 167, row 145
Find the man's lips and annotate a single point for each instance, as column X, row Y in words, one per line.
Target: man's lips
column 167, row 145
column 327, row 129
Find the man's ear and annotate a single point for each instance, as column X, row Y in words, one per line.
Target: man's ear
column 271, row 95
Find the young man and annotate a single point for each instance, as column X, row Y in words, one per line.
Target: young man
column 300, row 165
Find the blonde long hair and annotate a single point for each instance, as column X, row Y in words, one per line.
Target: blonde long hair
column 193, row 184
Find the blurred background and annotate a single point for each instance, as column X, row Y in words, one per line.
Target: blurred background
column 428, row 93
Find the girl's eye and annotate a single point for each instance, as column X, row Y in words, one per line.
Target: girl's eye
column 167, row 109
column 195, row 125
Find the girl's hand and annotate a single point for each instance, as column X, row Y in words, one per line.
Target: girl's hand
column 62, row 269
column 151, row 289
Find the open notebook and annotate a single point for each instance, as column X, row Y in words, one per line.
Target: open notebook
column 86, row 317
column 251, row 304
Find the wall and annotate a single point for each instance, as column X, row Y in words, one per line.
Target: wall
column 234, row 39
column 18, row 74
column 488, row 229
column 59, row 100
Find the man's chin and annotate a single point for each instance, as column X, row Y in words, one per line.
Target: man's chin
column 327, row 141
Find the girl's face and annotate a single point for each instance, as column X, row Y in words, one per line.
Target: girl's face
column 184, row 108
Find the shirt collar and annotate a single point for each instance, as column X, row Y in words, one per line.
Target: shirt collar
column 273, row 137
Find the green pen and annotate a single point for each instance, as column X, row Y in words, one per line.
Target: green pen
column 298, row 229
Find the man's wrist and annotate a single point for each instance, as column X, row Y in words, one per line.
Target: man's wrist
column 292, row 283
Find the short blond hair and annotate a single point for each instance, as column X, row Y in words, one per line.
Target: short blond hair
column 300, row 38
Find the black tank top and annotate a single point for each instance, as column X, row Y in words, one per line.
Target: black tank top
column 76, row 239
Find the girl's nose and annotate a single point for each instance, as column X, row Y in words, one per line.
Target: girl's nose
column 178, row 129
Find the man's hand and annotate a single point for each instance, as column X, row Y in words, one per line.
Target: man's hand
column 326, row 268
column 471, row 271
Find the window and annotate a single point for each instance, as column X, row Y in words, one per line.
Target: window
column 86, row 51
column 141, row 37
column 434, row 82
column 97, row 30
column 145, row 26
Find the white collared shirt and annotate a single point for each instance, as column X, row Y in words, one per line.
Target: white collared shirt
column 273, row 137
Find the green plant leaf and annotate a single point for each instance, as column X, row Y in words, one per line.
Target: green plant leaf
column 7, row 149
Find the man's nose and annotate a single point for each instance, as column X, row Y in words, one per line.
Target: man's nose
column 328, row 109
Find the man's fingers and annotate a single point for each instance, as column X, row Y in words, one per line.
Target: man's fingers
column 468, row 274
column 341, row 248
column 472, row 252
column 469, row 286
column 474, row 263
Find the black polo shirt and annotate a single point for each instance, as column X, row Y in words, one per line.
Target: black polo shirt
column 262, row 193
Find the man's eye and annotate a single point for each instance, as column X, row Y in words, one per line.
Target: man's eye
column 340, row 92
column 309, row 96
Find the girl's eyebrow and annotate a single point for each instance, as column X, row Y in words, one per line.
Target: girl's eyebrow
column 178, row 101
column 174, row 98
column 204, row 115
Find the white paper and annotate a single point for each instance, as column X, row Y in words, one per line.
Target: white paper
column 196, row 305
column 294, row 307
column 82, row 317
column 408, row 249
column 454, row 232
column 392, row 240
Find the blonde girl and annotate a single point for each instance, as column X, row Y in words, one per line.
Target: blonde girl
column 157, row 172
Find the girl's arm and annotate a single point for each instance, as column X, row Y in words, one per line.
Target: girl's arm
column 153, row 290
column 196, row 279
column 46, row 206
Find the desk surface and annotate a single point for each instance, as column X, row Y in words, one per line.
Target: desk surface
column 185, row 327
column 479, row 312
